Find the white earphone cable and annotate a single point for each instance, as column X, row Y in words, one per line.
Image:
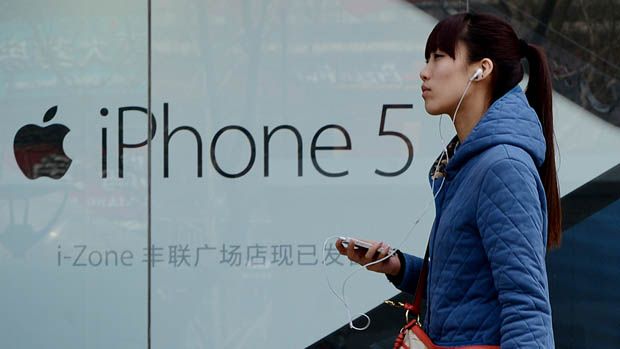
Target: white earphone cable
column 342, row 296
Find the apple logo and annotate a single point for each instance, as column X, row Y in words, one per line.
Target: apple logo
column 38, row 150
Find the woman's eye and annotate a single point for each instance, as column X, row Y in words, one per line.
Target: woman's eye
column 437, row 56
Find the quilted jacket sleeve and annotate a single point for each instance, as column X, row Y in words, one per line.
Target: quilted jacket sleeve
column 510, row 219
column 407, row 279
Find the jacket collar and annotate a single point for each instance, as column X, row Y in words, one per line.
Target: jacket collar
column 509, row 120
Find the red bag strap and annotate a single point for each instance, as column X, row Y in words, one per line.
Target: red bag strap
column 417, row 301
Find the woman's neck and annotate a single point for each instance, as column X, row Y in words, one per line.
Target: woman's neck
column 473, row 107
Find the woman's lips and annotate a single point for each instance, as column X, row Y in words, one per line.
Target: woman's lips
column 425, row 91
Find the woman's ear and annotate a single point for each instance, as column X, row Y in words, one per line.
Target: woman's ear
column 487, row 68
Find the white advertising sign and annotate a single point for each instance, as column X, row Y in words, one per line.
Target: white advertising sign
column 277, row 124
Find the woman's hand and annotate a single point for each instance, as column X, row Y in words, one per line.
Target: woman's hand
column 362, row 256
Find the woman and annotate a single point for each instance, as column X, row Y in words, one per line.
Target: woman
column 498, row 208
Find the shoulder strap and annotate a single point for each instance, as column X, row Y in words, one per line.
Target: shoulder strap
column 421, row 284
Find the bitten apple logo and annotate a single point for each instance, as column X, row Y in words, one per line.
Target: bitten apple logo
column 39, row 150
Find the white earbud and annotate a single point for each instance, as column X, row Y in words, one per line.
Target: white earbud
column 477, row 74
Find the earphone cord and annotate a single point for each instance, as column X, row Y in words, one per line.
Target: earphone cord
column 443, row 142
column 342, row 296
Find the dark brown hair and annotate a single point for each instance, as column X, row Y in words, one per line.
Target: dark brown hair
column 487, row 36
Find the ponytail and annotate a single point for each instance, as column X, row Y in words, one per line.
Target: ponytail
column 538, row 94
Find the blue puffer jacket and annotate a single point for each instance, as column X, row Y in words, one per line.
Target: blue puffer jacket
column 487, row 281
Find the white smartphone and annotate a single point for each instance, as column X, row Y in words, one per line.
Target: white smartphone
column 359, row 244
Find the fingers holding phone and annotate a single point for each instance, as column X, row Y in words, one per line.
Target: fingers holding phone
column 356, row 250
column 364, row 252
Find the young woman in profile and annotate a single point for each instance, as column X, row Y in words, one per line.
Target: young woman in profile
column 496, row 191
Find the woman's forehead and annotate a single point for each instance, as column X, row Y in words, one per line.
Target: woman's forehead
column 460, row 49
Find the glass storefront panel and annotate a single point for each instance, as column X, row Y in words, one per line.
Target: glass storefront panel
column 577, row 38
column 274, row 138
column 72, row 227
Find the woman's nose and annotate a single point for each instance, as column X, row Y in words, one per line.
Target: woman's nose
column 423, row 74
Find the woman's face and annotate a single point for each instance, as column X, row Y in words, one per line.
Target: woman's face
column 444, row 79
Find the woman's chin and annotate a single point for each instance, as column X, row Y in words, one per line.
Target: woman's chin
column 432, row 111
